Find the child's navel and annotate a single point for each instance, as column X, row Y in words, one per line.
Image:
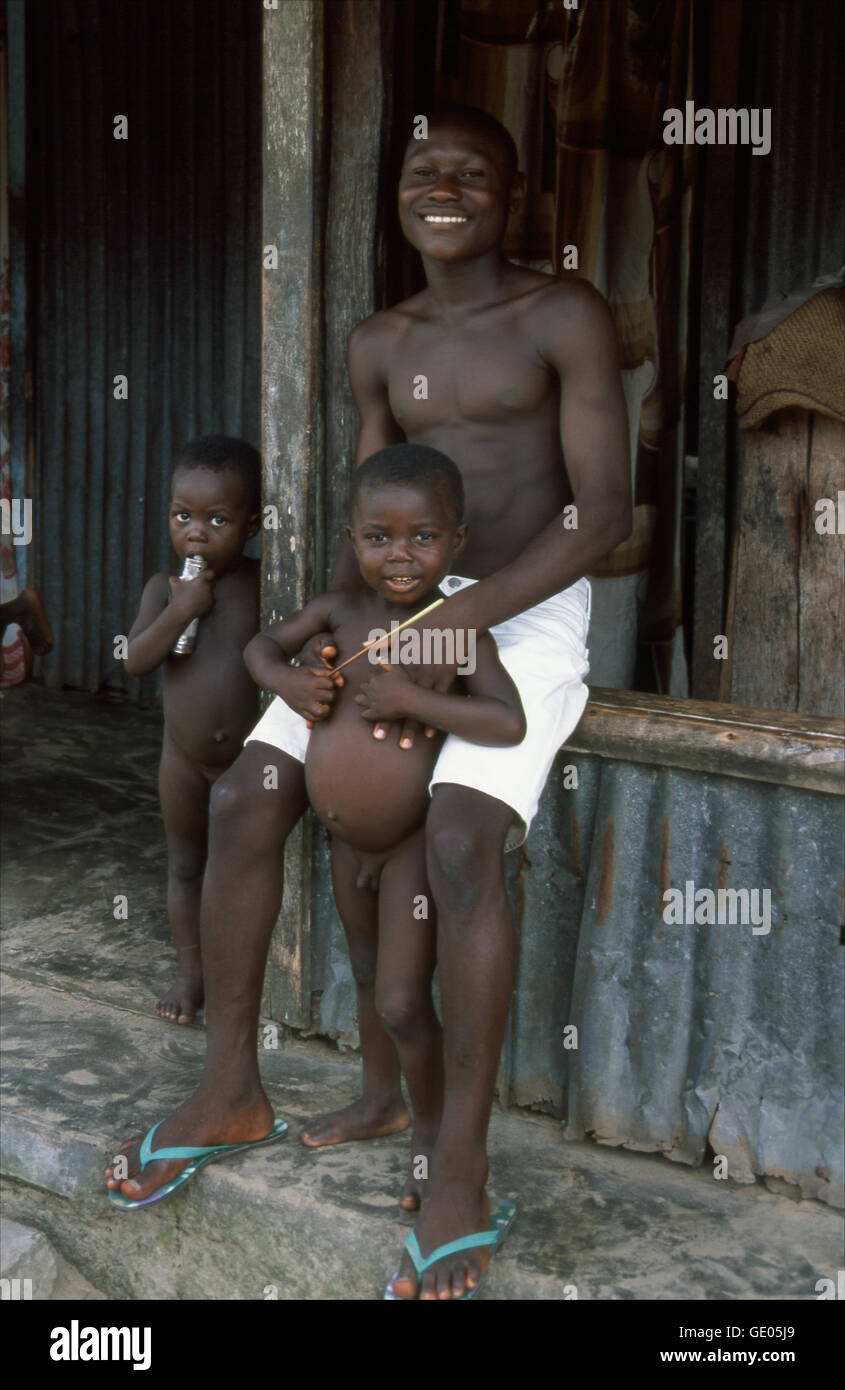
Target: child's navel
column 220, row 735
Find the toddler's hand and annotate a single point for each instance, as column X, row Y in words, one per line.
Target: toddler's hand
column 193, row 598
column 318, row 655
column 307, row 691
column 387, row 695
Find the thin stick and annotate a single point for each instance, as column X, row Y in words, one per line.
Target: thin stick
column 387, row 636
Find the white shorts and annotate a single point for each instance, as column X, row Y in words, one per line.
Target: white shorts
column 545, row 654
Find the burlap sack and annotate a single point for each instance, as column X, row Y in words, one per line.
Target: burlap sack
column 801, row 362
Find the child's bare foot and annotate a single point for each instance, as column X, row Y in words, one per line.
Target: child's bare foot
column 182, row 1000
column 361, row 1120
column 458, row 1209
column 204, row 1119
column 416, row 1183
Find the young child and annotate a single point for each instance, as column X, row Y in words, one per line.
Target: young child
column 210, row 703
column 406, row 528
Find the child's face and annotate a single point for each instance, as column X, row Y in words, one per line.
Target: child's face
column 405, row 539
column 209, row 516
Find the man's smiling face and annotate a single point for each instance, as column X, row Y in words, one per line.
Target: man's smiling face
column 456, row 191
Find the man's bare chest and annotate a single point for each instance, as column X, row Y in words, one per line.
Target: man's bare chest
column 438, row 376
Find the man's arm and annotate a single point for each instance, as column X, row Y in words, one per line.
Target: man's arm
column 490, row 713
column 578, row 340
column 366, row 349
column 366, row 353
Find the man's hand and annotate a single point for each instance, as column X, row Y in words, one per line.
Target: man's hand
column 192, row 598
column 434, row 677
column 387, row 695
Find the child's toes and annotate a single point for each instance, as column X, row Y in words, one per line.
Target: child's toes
column 127, row 1157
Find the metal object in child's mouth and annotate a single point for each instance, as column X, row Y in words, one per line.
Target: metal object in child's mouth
column 194, row 565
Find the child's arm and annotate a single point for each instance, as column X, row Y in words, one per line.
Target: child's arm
column 308, row 691
column 159, row 623
column 490, row 713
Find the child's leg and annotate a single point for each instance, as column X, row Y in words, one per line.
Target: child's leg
column 406, row 959
column 184, row 791
column 381, row 1109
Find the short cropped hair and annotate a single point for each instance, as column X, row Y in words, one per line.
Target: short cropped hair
column 476, row 119
column 411, row 465
column 223, row 453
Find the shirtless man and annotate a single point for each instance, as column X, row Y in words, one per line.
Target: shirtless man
column 524, row 394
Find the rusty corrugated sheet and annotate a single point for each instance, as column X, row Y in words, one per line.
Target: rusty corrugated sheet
column 146, row 255
column 693, row 1040
column 702, row 1038
column 796, row 210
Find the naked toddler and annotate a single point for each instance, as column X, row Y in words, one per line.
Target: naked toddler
column 406, row 528
column 210, row 703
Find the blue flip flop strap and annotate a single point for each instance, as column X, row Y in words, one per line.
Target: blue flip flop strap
column 453, row 1248
column 147, row 1155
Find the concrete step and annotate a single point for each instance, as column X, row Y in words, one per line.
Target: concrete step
column 81, row 1075
column 26, row 1258
column 31, row 1269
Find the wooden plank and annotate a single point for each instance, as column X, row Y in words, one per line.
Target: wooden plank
column 763, row 634
column 356, row 96
column 704, row 736
column 714, row 712
column 821, row 578
column 716, row 424
column 292, row 369
column 786, row 632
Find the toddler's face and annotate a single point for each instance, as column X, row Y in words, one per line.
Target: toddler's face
column 405, row 539
column 209, row 516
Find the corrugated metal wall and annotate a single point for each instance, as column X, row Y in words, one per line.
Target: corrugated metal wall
column 768, row 224
column 691, row 1035
column 796, row 209
column 697, row 1036
column 147, row 263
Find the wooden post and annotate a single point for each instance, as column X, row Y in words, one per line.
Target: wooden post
column 788, row 613
column 322, row 145
column 717, row 424
column 355, row 99
column 292, row 411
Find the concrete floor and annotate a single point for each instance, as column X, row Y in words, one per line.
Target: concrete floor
column 87, row 1063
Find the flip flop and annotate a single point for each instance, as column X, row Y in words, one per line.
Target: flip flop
column 502, row 1215
column 203, row 1155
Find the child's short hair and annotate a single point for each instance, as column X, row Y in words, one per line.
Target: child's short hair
column 411, row 465
column 222, row 453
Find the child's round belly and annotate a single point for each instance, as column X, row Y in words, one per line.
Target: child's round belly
column 209, row 711
column 369, row 793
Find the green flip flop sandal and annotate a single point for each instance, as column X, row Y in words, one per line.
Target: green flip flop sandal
column 502, row 1216
column 202, row 1155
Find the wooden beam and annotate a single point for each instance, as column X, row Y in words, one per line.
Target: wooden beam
column 716, row 420
column 356, row 96
column 793, row 750
column 292, row 406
